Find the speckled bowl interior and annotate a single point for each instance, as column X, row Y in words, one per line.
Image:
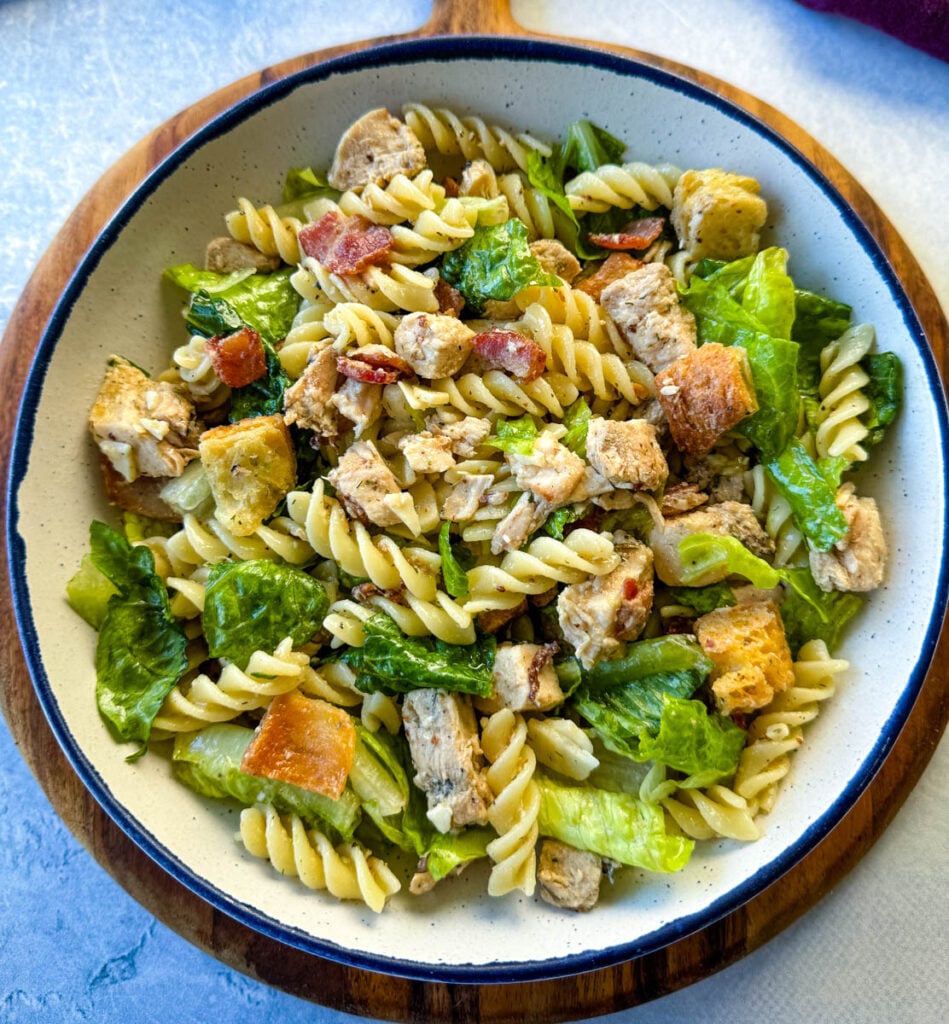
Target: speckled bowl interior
column 118, row 303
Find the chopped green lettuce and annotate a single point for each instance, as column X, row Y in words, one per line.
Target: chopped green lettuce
column 88, row 592
column 495, row 263
column 576, row 419
column 391, row 662
column 884, row 391
column 614, row 825
column 515, row 436
column 808, row 612
column 251, row 606
column 455, row 577
column 585, row 147
column 703, row 599
column 140, row 653
column 209, row 762
column 811, row 495
column 558, row 520
column 676, row 653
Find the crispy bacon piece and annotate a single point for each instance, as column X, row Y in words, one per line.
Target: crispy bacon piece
column 345, row 245
column 507, row 350
column 638, row 234
column 616, row 266
column 452, row 190
column 308, row 743
column 373, row 364
column 238, row 359
column 450, row 301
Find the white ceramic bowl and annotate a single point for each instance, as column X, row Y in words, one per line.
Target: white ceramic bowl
column 117, row 302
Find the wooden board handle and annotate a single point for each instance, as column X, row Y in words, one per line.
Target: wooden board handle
column 471, row 17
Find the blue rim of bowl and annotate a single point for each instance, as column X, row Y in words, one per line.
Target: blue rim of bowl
column 434, row 49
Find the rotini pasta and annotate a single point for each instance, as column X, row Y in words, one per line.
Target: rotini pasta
column 516, row 803
column 347, row 871
column 264, row 229
column 633, row 184
column 843, row 401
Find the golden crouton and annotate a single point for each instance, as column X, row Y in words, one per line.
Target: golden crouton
column 750, row 652
column 304, row 742
column 251, row 465
column 717, row 214
column 705, row 393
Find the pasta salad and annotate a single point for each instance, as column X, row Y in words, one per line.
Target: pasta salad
column 496, row 504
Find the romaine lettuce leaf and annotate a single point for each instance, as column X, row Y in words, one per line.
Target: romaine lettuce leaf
column 455, row 577
column 703, row 599
column 209, row 762
column 221, row 304
column 391, row 662
column 677, row 652
column 585, row 147
column 885, row 392
column 140, row 653
column 576, row 419
column 495, row 263
column 808, row 612
column 251, row 606
column 88, row 592
column 264, row 396
column 811, row 495
column 768, row 294
column 614, row 825
column 515, row 436
column 556, row 522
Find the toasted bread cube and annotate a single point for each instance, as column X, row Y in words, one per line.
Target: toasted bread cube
column 717, row 214
column 251, row 465
column 750, row 652
column 705, row 393
column 627, row 453
column 308, row 743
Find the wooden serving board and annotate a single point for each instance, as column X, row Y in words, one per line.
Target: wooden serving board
column 357, row 991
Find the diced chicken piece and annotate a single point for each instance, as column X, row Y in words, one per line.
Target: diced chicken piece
column 374, row 150
column 568, row 877
column 250, row 465
column 627, row 453
column 426, row 453
column 303, row 742
column 307, row 401
column 478, row 179
column 446, row 752
column 601, row 614
column 551, row 471
column 512, row 531
column 717, row 214
column 144, row 427
column 645, row 307
column 591, row 485
column 682, row 497
column 360, row 403
column 225, row 255
column 466, row 435
column 556, row 258
column 363, row 481
column 433, row 345
column 729, row 519
column 466, row 497
column 747, row 645
column 524, row 677
column 857, row 561
column 704, row 394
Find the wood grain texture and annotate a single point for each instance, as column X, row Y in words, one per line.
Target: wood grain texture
column 361, row 992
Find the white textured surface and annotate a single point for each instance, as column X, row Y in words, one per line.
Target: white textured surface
column 80, row 82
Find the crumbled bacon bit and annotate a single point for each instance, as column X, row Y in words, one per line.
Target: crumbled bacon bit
column 345, row 245
column 238, row 359
column 371, row 366
column 450, row 301
column 452, row 189
column 507, row 350
column 638, row 234
column 617, row 265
